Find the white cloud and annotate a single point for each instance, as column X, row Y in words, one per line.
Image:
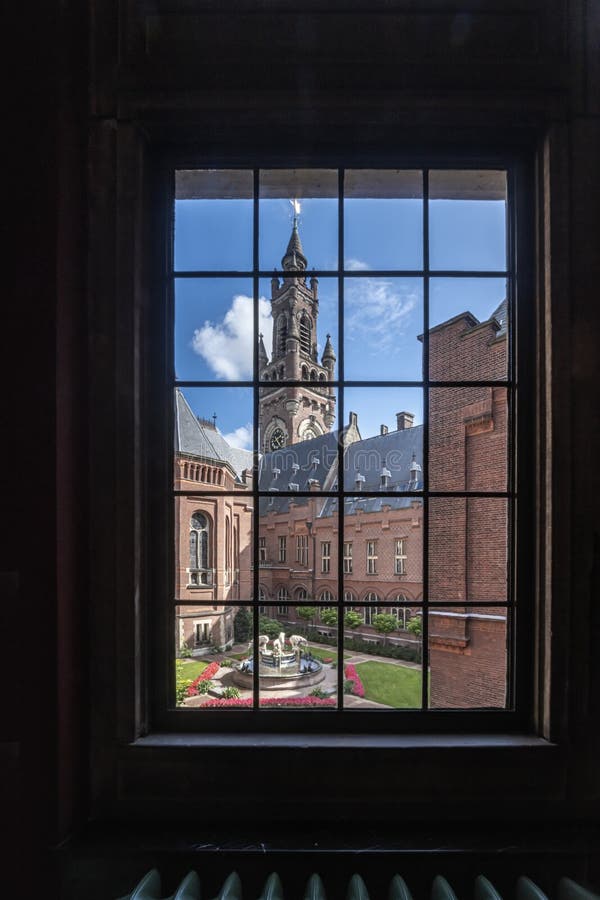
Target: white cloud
column 356, row 265
column 378, row 312
column 226, row 346
column 241, row 437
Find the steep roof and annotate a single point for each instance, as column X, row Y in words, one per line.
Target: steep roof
column 294, row 257
column 297, row 464
column 192, row 437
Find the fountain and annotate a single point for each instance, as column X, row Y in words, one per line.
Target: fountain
column 280, row 668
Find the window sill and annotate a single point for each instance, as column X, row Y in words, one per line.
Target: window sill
column 348, row 741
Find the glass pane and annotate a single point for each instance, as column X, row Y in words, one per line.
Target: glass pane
column 297, row 659
column 468, row 329
column 298, row 327
column 213, row 329
column 213, row 439
column 297, row 434
column 213, row 548
column 382, row 664
column 383, row 318
column 384, row 439
column 298, row 219
column 213, row 219
column 383, row 219
column 211, row 650
column 467, row 220
column 467, row 658
column 297, row 551
column 468, row 439
column 468, row 549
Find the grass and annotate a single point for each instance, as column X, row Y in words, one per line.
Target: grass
column 192, row 668
column 396, row 686
column 320, row 652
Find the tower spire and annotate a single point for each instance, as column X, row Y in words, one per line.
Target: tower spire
column 294, row 259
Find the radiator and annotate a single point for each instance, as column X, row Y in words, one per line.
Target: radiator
column 149, row 888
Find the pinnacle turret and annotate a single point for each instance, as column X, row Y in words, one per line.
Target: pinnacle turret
column 328, row 352
column 263, row 359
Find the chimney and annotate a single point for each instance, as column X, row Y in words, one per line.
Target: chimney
column 383, row 429
column 353, row 419
column 404, row 420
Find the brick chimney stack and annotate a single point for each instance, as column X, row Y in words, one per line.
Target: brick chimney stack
column 404, row 420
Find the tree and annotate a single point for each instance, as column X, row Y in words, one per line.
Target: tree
column 415, row 626
column 384, row 623
column 270, row 627
column 352, row 619
column 307, row 613
column 242, row 625
column 329, row 616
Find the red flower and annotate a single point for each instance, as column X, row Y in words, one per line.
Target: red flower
column 352, row 675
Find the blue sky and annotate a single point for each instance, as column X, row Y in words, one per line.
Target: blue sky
column 383, row 315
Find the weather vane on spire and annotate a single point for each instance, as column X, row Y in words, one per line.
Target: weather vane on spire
column 295, row 204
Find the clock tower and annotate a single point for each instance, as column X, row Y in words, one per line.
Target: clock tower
column 287, row 414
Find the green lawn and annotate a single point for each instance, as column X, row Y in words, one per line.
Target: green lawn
column 320, row 652
column 396, row 686
column 192, row 668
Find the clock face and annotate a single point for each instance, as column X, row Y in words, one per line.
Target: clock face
column 277, row 439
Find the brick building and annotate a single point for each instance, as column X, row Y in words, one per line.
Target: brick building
column 383, row 535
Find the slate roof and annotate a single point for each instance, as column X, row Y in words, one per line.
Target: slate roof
column 501, row 316
column 192, row 437
column 393, row 452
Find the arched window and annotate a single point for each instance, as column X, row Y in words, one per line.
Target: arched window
column 282, row 329
column 301, row 594
column 282, row 601
column 227, row 551
column 349, row 597
column 304, row 373
column 305, row 334
column 326, row 597
column 199, row 549
column 370, row 611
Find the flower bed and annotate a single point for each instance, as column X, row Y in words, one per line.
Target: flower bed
column 271, row 701
column 353, row 676
column 193, row 689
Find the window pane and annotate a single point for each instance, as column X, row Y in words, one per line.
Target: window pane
column 213, row 329
column 213, row 548
column 297, row 434
column 468, row 549
column 383, row 219
column 467, row 657
column 382, row 665
column 213, row 220
column 468, row 439
column 299, row 327
column 211, row 644
column 384, row 439
column 307, row 565
column 298, row 663
column 213, row 439
column 298, row 219
column 383, row 318
column 468, row 329
column 467, row 220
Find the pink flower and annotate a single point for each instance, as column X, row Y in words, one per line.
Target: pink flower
column 352, row 675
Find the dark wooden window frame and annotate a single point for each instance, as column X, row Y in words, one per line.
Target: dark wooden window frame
column 127, row 735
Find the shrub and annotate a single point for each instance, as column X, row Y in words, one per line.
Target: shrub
column 204, row 687
column 415, row 626
column 231, row 693
column 181, row 684
column 242, row 625
column 318, row 692
column 185, row 652
column 270, row 627
column 348, row 686
column 227, row 663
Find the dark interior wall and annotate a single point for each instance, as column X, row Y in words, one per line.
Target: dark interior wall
column 330, row 76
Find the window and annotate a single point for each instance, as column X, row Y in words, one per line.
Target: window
column 199, row 572
column 399, row 557
column 348, row 557
column 371, row 557
column 302, row 549
column 325, row 556
column 428, row 400
column 282, row 542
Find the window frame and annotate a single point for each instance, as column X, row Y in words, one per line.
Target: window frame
column 463, row 719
